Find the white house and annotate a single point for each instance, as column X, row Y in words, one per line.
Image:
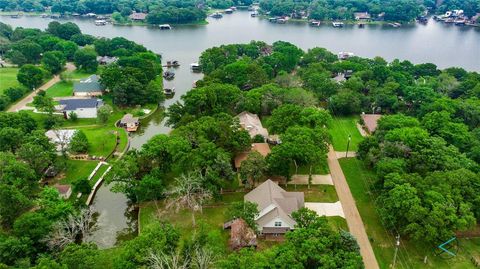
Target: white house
column 84, row 108
column 275, row 206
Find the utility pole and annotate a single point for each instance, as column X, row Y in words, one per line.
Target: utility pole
column 396, row 250
column 348, row 145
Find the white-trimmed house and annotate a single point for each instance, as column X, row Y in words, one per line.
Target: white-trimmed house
column 88, row 87
column 84, row 108
column 275, row 206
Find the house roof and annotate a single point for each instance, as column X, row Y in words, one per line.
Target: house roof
column 251, row 122
column 262, row 148
column 62, row 189
column 274, row 202
column 90, row 84
column 371, row 121
column 74, row 104
column 106, row 59
column 138, row 16
column 128, row 118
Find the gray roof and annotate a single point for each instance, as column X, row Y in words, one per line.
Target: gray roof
column 74, row 104
column 273, row 202
column 90, row 84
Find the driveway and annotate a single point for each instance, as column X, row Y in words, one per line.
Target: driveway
column 327, row 209
column 22, row 104
column 316, row 180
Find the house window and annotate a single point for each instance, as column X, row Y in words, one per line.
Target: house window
column 278, row 223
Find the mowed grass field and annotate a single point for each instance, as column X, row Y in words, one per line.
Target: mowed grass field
column 411, row 254
column 60, row 89
column 340, row 129
column 8, row 78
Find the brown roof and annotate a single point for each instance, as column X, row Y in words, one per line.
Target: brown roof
column 262, row 148
column 370, row 121
column 62, row 189
column 128, row 118
column 241, row 235
column 361, row 15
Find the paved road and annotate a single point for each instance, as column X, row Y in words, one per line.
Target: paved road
column 22, row 104
column 354, row 221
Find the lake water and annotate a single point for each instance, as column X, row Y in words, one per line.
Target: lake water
column 443, row 45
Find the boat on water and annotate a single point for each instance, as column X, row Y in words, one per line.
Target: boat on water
column 460, row 22
column 315, row 23
column 44, row 15
column 100, row 22
column 281, row 21
column 169, row 91
column 173, row 63
column 395, row 24
column 217, row 15
column 15, row 16
column 195, row 67
column 344, row 55
column 169, row 75
column 165, row 27
column 254, row 14
column 337, row 24
column 228, row 11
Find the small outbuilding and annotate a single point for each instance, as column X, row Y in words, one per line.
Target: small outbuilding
column 65, row 191
column 241, row 235
column 362, row 16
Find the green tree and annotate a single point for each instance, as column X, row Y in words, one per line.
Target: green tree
column 79, row 143
column 253, row 168
column 103, row 113
column 12, row 204
column 81, row 256
column 82, row 185
column 245, row 210
column 53, row 61
column 86, row 59
column 30, row 76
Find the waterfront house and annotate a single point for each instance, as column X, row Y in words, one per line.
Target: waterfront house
column 84, row 108
column 138, row 16
column 251, row 122
column 370, row 122
column 275, row 206
column 262, row 148
column 88, row 87
column 362, row 16
column 129, row 122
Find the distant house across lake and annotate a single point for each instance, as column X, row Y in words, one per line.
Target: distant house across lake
column 362, row 16
column 138, row 16
column 88, row 87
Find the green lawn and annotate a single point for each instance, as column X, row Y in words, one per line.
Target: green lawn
column 76, row 74
column 60, row 89
column 411, row 254
column 8, row 78
column 77, row 170
column 340, row 129
column 102, row 140
column 316, row 193
column 320, row 169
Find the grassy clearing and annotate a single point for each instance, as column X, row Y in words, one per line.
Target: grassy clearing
column 102, row 140
column 340, row 129
column 316, row 193
column 411, row 254
column 8, row 78
column 76, row 74
column 77, row 170
column 320, row 169
column 60, row 89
